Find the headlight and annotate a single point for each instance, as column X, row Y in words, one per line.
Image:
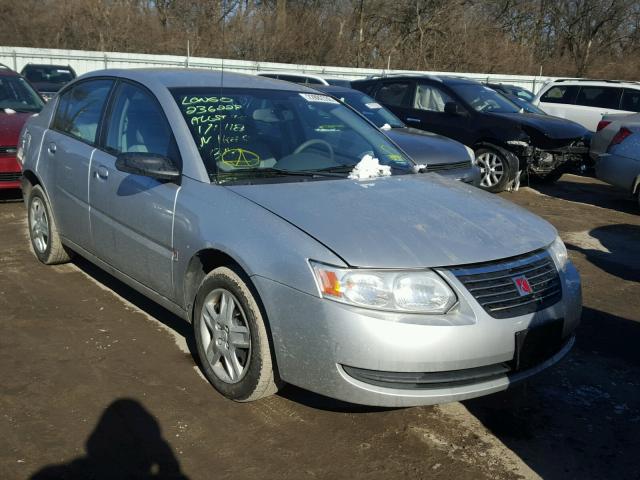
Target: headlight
column 559, row 253
column 400, row 291
column 472, row 155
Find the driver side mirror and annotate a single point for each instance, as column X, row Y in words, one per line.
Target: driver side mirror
column 454, row 108
column 148, row 165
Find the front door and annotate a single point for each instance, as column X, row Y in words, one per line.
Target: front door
column 132, row 215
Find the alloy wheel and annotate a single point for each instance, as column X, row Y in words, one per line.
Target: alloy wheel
column 39, row 225
column 491, row 168
column 225, row 335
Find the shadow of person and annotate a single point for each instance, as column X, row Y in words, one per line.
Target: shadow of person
column 127, row 443
column 612, row 248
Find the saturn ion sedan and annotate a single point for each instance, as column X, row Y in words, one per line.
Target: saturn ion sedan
column 301, row 243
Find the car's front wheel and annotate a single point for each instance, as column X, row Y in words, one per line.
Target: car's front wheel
column 496, row 168
column 231, row 338
column 43, row 232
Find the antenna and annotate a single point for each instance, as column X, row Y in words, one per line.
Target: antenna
column 224, row 43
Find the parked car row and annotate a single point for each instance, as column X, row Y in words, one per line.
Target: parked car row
column 302, row 243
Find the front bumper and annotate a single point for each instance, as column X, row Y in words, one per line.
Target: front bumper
column 10, row 172
column 315, row 339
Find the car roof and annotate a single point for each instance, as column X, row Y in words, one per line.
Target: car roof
column 336, row 89
column 45, row 65
column 195, row 77
column 445, row 79
column 593, row 82
column 7, row 72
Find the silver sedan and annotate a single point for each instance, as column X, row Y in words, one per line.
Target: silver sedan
column 297, row 238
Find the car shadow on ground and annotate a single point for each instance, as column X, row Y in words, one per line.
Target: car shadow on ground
column 591, row 192
column 175, row 323
column 127, row 443
column 184, row 329
column 580, row 418
column 614, row 249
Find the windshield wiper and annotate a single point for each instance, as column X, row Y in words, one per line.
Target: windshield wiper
column 266, row 172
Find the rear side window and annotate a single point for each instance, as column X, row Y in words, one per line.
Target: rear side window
column 80, row 108
column 600, row 97
column 137, row 124
column 630, row 100
column 561, row 94
column 396, row 94
column 430, row 98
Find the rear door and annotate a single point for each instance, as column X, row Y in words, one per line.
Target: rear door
column 132, row 215
column 397, row 95
column 69, row 146
column 428, row 105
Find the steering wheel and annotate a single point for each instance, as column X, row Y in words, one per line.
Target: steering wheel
column 313, row 141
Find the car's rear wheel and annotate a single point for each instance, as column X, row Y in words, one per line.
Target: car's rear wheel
column 496, row 170
column 43, row 232
column 231, row 338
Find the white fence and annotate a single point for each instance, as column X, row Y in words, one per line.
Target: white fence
column 86, row 61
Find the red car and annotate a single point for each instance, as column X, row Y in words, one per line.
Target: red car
column 18, row 101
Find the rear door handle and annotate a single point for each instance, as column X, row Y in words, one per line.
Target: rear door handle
column 102, row 172
column 52, row 148
column 411, row 119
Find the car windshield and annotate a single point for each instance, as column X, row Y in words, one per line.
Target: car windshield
column 248, row 134
column 371, row 109
column 484, row 99
column 16, row 94
column 48, row 74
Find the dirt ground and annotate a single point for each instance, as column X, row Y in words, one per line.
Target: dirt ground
column 97, row 382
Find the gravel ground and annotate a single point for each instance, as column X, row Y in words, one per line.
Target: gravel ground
column 98, row 382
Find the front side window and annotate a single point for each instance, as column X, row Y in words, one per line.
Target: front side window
column 17, row 95
column 80, row 108
column 430, row 98
column 484, row 99
column 561, row 94
column 255, row 134
column 600, row 97
column 630, row 100
column 396, row 94
column 137, row 124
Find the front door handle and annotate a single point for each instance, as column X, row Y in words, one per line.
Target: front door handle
column 411, row 119
column 102, row 172
column 52, row 148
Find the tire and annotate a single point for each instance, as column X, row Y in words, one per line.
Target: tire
column 503, row 165
column 233, row 348
column 43, row 231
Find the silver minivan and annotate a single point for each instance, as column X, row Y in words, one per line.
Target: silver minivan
column 297, row 239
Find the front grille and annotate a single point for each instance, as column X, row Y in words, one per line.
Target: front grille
column 8, row 150
column 493, row 284
column 448, row 166
column 10, row 177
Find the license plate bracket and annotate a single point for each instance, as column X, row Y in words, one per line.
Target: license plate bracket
column 537, row 344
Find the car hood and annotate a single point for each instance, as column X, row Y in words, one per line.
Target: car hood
column 554, row 128
column 404, row 221
column 426, row 147
column 10, row 127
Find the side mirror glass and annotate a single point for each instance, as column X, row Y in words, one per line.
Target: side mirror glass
column 453, row 108
column 148, row 165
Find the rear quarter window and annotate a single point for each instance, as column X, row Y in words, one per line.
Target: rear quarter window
column 396, row 94
column 599, row 97
column 630, row 100
column 560, row 94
